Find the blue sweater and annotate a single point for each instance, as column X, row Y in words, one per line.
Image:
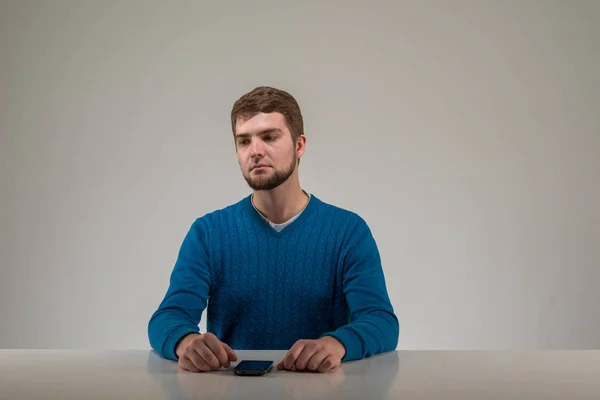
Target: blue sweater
column 321, row 275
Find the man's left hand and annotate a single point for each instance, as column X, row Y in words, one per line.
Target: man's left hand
column 320, row 355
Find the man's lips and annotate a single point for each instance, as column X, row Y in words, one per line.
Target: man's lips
column 259, row 166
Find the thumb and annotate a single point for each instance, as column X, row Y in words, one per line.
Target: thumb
column 230, row 353
column 280, row 366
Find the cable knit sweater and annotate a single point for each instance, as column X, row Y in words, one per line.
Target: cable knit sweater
column 321, row 275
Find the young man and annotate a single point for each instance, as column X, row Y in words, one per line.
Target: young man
column 280, row 269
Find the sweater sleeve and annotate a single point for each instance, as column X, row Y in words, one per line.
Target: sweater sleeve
column 373, row 326
column 180, row 311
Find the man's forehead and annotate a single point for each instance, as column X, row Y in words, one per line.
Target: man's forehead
column 260, row 123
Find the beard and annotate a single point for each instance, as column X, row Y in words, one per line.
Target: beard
column 278, row 177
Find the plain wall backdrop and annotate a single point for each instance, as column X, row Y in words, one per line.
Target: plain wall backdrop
column 466, row 133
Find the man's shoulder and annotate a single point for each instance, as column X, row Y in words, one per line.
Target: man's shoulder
column 215, row 215
column 352, row 226
column 340, row 213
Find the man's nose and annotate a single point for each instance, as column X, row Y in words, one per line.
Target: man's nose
column 257, row 147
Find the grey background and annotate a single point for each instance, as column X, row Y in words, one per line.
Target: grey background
column 466, row 133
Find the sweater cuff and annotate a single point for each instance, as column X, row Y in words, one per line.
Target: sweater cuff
column 350, row 341
column 173, row 339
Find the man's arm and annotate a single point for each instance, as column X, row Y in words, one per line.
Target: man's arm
column 373, row 327
column 180, row 311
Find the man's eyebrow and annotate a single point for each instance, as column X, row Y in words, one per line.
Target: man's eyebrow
column 263, row 132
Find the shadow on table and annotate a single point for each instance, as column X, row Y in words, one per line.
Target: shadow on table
column 177, row 383
column 369, row 378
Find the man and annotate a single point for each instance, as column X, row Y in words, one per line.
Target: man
column 280, row 269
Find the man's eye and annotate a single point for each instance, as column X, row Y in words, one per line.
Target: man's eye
column 268, row 138
column 243, row 141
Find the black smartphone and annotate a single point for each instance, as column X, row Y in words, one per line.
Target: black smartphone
column 253, row 367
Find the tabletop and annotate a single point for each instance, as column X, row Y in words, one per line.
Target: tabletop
column 142, row 374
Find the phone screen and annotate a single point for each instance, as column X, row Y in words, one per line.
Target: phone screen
column 252, row 365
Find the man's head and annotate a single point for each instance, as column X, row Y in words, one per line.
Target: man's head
column 269, row 136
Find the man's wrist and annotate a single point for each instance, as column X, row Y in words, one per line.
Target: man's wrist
column 339, row 346
column 182, row 344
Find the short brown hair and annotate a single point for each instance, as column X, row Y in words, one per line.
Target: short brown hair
column 265, row 99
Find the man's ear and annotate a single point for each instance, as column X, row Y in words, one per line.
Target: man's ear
column 300, row 145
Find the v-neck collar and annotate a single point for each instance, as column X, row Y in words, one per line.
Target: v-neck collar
column 266, row 226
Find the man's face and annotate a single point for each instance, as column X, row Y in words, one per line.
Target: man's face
column 266, row 153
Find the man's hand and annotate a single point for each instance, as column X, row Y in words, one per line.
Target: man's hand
column 203, row 353
column 319, row 355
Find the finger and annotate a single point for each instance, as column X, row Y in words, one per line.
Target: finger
column 230, row 353
column 307, row 353
column 328, row 364
column 217, row 349
column 281, row 366
column 208, row 356
column 316, row 360
column 292, row 355
column 197, row 359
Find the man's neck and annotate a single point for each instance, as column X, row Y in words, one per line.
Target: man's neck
column 280, row 204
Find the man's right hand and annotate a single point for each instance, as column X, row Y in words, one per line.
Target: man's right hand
column 203, row 353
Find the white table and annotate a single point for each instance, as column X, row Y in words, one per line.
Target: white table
column 141, row 374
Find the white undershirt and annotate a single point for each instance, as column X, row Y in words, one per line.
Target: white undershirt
column 280, row 227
